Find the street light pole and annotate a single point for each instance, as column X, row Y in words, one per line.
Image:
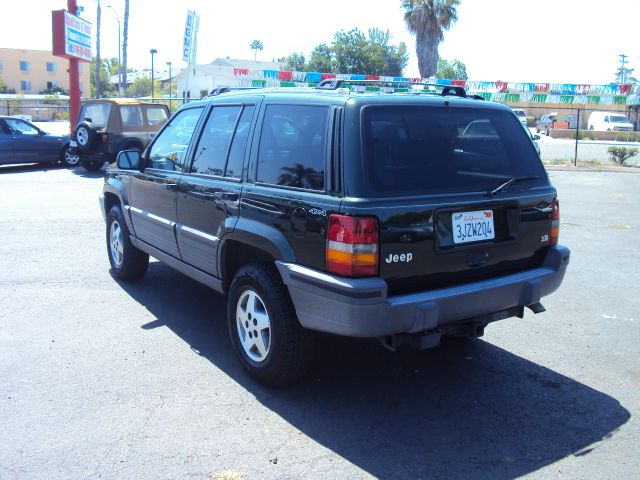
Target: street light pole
column 119, row 64
column 170, row 96
column 153, row 51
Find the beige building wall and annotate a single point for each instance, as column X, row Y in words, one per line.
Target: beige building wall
column 32, row 71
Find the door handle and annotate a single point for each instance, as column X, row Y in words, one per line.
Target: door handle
column 228, row 196
column 171, row 186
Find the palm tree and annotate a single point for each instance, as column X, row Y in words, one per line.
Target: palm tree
column 255, row 46
column 427, row 20
column 300, row 176
column 125, row 36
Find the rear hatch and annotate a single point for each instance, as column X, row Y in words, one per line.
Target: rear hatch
column 459, row 193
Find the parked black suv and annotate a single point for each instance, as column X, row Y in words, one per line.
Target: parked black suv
column 107, row 126
column 402, row 216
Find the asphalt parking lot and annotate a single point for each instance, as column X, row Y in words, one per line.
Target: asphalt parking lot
column 101, row 379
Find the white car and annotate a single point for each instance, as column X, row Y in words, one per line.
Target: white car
column 521, row 114
column 609, row 121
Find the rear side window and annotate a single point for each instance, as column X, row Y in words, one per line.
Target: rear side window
column 424, row 150
column 211, row 153
column 156, row 116
column 239, row 144
column 131, row 116
column 97, row 112
column 293, row 146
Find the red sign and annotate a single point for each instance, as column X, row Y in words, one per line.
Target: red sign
column 71, row 36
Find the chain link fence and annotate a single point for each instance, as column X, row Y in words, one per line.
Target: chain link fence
column 571, row 136
column 566, row 134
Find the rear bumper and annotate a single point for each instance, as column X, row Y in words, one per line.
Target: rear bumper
column 361, row 307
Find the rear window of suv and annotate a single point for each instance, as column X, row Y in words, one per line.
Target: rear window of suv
column 431, row 150
column 97, row 112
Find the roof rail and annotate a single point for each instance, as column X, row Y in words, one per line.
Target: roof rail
column 221, row 90
column 334, row 84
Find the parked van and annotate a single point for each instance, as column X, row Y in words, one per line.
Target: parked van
column 609, row 121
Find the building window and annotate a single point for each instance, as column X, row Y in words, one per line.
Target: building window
column 25, row 85
column 52, row 67
column 52, row 85
column 25, row 66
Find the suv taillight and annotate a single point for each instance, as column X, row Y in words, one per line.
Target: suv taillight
column 352, row 246
column 555, row 222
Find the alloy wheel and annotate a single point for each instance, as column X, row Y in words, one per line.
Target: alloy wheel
column 253, row 325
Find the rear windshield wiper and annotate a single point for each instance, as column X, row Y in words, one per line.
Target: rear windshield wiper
column 505, row 184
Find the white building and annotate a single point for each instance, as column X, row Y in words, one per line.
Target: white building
column 197, row 81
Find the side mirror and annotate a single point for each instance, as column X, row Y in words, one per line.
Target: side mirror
column 129, row 160
column 536, row 137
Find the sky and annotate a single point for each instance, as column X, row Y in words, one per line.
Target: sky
column 555, row 41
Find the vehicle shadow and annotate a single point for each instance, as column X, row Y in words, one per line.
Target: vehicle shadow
column 468, row 409
column 29, row 167
column 82, row 172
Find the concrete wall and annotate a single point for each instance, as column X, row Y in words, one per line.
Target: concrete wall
column 37, row 74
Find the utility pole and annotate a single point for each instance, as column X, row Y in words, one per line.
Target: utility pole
column 74, row 77
column 98, row 61
column 623, row 73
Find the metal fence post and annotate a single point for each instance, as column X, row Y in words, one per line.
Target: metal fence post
column 575, row 157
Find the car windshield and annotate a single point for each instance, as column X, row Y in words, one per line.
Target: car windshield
column 418, row 150
column 618, row 119
column 97, row 112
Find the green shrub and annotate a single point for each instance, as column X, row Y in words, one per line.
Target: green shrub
column 622, row 154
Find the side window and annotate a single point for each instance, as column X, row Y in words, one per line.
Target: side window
column 211, row 154
column 21, row 128
column 170, row 148
column 292, row 146
column 131, row 116
column 156, row 116
column 239, row 144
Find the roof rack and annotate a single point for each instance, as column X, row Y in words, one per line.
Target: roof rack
column 455, row 90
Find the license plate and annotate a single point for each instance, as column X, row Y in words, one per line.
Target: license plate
column 472, row 226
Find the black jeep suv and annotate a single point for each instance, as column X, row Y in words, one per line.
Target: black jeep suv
column 403, row 216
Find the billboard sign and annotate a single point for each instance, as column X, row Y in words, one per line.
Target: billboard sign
column 71, row 36
column 189, row 45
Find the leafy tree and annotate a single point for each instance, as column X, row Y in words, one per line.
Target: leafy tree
column 322, row 59
column 625, row 75
column 54, row 91
column 295, row 61
column 428, row 20
column 255, row 46
column 454, row 70
column 4, row 89
column 141, row 87
column 108, row 90
column 354, row 52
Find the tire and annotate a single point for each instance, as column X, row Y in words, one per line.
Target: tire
column 127, row 262
column 68, row 159
column 85, row 135
column 91, row 165
column 258, row 299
